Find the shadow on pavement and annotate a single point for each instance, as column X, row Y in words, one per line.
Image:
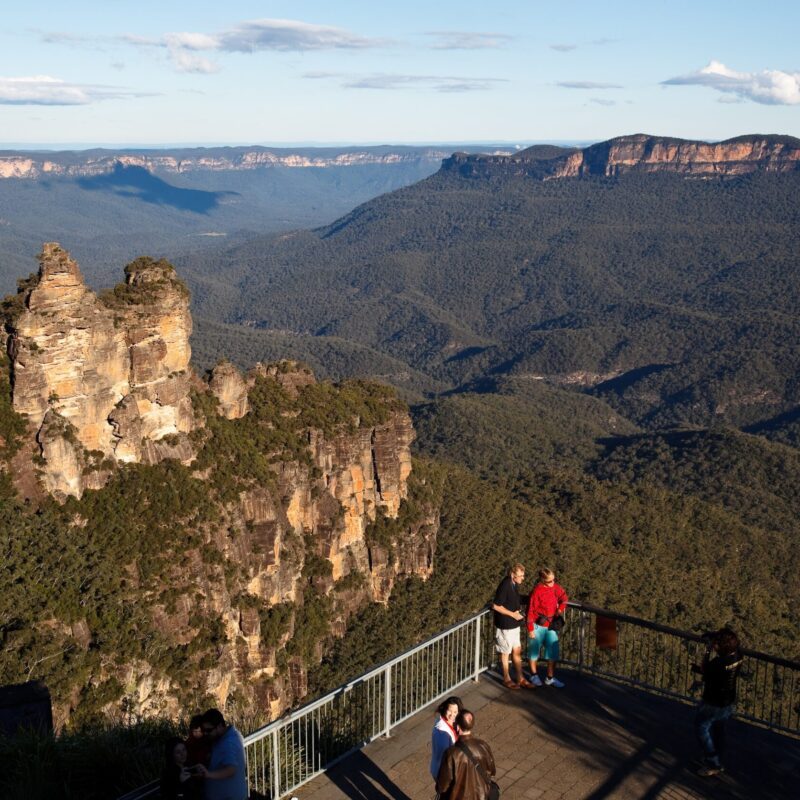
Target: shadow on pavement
column 359, row 777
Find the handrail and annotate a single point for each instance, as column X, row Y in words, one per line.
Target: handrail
column 695, row 637
column 300, row 711
column 293, row 749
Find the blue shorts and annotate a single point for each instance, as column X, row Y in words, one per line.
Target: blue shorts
column 542, row 637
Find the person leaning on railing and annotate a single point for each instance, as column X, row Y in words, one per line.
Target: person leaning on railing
column 546, row 605
column 720, row 670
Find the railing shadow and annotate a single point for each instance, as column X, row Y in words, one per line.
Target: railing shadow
column 361, row 778
column 626, row 742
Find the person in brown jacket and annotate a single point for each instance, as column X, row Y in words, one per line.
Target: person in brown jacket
column 459, row 777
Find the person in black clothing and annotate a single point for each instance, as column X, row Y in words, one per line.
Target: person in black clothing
column 178, row 782
column 507, row 618
column 719, row 670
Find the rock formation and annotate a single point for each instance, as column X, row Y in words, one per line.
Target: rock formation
column 105, row 381
column 115, row 368
column 640, row 153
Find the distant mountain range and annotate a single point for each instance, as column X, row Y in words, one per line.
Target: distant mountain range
column 38, row 164
column 110, row 206
column 665, row 284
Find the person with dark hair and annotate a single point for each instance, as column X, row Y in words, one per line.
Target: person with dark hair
column 468, row 766
column 178, row 782
column 198, row 747
column 719, row 670
column 507, row 618
column 226, row 775
column 444, row 731
column 547, row 602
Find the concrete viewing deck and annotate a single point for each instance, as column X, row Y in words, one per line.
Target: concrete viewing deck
column 593, row 739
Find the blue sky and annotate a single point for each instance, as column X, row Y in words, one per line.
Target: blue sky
column 244, row 72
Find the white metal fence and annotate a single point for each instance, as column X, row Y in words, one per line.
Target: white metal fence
column 294, row 749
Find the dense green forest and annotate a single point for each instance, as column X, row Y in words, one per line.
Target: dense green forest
column 694, row 530
column 105, row 219
column 675, row 300
column 604, row 377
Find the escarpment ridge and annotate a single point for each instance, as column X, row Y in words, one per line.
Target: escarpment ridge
column 36, row 165
column 639, row 153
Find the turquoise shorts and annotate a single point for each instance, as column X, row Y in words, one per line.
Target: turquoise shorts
column 542, row 637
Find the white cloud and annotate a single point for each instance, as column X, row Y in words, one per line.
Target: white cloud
column 563, row 48
column 287, row 34
column 44, row 90
column 587, row 85
column 769, row 87
column 382, row 81
column 464, row 40
column 601, row 101
column 250, row 37
column 191, row 41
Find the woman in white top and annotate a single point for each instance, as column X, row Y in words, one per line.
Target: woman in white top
column 444, row 732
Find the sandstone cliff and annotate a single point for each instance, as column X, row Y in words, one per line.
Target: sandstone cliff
column 244, row 517
column 640, row 153
column 115, row 369
column 32, row 166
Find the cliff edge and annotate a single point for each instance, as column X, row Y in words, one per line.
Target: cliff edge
column 639, row 153
column 239, row 519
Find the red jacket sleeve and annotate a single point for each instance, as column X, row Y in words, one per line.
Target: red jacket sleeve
column 532, row 612
column 562, row 598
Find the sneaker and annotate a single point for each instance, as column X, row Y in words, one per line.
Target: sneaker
column 536, row 680
column 554, row 682
column 710, row 770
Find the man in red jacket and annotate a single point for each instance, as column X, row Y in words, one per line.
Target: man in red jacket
column 547, row 600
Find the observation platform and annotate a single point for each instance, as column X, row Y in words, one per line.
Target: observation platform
column 593, row 739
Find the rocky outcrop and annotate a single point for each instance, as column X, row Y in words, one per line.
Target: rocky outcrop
column 106, row 380
column 639, row 153
column 114, row 368
column 229, row 387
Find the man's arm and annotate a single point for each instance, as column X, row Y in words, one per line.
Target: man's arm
column 221, row 774
column 505, row 612
column 491, row 769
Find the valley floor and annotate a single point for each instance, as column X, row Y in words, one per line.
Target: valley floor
column 590, row 741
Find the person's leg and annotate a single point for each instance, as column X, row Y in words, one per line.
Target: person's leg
column 504, row 650
column 516, row 655
column 534, row 647
column 703, row 723
column 504, row 665
column 718, row 730
column 551, row 652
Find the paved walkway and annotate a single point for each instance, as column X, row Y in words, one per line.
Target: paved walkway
column 592, row 740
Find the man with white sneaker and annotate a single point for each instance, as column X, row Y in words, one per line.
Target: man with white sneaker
column 547, row 601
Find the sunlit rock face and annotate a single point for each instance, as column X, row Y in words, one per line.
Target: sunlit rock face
column 114, row 368
column 105, row 380
column 230, row 389
column 640, row 153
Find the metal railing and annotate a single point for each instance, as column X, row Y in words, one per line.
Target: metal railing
column 294, row 749
column 289, row 752
column 659, row 659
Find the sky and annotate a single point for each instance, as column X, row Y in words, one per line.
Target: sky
column 385, row 72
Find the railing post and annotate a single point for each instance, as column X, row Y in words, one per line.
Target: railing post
column 581, row 640
column 387, row 701
column 477, row 674
column 276, row 766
